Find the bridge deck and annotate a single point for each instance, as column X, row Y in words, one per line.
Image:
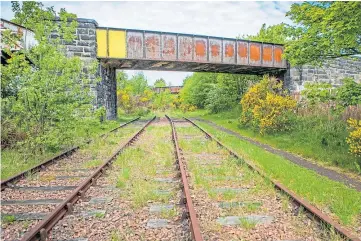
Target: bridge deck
column 150, row 50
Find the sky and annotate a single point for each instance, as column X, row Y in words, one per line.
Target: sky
column 222, row 19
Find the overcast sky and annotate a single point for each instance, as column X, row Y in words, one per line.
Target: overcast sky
column 223, row 19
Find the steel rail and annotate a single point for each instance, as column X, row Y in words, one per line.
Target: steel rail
column 41, row 230
column 296, row 198
column 195, row 228
column 52, row 160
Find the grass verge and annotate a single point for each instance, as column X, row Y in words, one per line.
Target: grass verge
column 17, row 160
column 313, row 137
column 333, row 198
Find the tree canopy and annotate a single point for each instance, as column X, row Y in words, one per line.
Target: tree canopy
column 324, row 30
column 160, row 83
column 320, row 31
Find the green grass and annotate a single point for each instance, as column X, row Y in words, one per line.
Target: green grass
column 330, row 196
column 99, row 215
column 247, row 224
column 8, row 218
column 313, row 137
column 169, row 213
column 93, row 163
column 138, row 165
column 14, row 161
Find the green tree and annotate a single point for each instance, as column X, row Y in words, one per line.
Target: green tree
column 122, row 79
column 163, row 100
column 196, row 88
column 324, row 30
column 160, row 83
column 349, row 93
column 51, row 95
column 272, row 34
column 139, row 83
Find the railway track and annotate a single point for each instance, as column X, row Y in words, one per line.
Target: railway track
column 51, row 161
column 34, row 195
column 178, row 182
column 320, row 228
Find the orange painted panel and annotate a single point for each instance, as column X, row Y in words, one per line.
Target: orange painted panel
column 215, row 48
column 278, row 55
column 255, row 54
column 267, row 55
column 242, row 52
column 229, row 51
column 200, row 49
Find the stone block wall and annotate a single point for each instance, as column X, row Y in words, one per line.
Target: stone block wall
column 333, row 71
column 84, row 46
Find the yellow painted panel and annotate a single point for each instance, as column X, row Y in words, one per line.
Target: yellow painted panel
column 117, row 46
column 102, row 42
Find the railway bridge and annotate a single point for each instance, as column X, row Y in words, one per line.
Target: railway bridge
column 130, row 49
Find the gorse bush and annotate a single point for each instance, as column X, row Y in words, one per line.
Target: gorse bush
column 266, row 108
column 354, row 138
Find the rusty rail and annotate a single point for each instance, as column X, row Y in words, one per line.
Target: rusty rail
column 51, row 161
column 297, row 199
column 41, row 230
column 195, row 228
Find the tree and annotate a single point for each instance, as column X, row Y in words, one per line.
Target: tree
column 51, row 96
column 160, row 83
column 271, row 34
column 134, row 94
column 349, row 93
column 122, row 79
column 324, row 30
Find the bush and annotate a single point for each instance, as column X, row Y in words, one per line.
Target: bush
column 354, row 138
column 318, row 92
column 187, row 107
column 349, row 93
column 266, row 107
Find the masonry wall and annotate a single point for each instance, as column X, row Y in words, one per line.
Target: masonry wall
column 333, row 71
column 84, row 46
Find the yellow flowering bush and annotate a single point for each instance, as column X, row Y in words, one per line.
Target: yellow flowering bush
column 266, row 107
column 354, row 138
column 187, row 107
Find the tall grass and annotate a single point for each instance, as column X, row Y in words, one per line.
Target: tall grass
column 318, row 133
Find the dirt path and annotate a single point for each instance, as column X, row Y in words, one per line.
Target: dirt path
column 331, row 174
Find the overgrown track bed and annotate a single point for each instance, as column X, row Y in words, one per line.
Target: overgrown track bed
column 136, row 199
column 31, row 199
column 51, row 161
column 238, row 196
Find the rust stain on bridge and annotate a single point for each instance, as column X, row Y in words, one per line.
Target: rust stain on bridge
column 150, row 50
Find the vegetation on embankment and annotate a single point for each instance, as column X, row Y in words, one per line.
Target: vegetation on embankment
column 16, row 160
column 318, row 128
column 332, row 197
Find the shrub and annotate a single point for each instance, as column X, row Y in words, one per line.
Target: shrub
column 266, row 107
column 354, row 138
column 187, row 107
column 349, row 93
column 318, row 92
